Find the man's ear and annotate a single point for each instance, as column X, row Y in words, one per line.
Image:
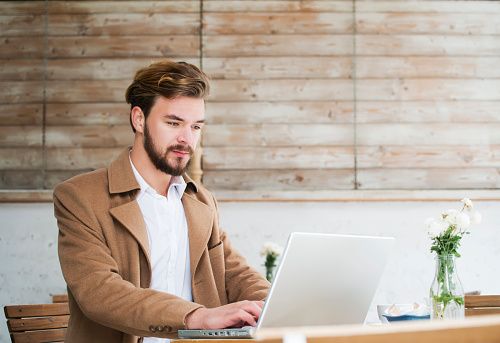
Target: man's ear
column 138, row 119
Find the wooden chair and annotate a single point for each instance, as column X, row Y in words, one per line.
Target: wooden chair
column 59, row 298
column 37, row 323
column 482, row 304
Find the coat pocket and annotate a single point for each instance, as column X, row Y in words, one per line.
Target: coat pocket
column 216, row 251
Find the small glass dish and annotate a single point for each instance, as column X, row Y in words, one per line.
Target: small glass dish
column 406, row 317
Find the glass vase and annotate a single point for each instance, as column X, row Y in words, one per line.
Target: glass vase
column 270, row 273
column 447, row 293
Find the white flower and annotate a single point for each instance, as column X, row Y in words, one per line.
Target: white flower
column 462, row 222
column 476, row 218
column 450, row 217
column 468, row 203
column 436, row 228
column 428, row 222
column 271, row 248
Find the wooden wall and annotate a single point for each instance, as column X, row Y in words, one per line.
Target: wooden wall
column 65, row 66
column 308, row 95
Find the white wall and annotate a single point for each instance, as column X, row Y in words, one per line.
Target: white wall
column 30, row 273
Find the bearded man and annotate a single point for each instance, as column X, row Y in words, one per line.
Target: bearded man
column 140, row 245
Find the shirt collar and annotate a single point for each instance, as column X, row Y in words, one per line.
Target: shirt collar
column 177, row 182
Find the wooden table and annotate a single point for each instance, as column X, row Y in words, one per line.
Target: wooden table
column 483, row 329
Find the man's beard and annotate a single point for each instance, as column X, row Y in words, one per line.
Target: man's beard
column 160, row 160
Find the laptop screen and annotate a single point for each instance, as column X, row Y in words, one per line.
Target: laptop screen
column 325, row 279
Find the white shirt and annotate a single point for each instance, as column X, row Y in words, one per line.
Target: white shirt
column 168, row 239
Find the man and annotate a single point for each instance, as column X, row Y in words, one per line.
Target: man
column 140, row 245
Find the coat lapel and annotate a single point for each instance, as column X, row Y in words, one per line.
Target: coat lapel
column 199, row 220
column 123, row 188
column 130, row 216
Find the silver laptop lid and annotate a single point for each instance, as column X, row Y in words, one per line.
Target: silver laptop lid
column 325, row 279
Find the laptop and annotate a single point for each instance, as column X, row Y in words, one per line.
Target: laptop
column 322, row 279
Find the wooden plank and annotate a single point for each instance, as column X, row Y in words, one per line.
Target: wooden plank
column 487, row 134
column 88, row 136
column 428, row 23
column 22, row 7
column 333, row 196
column 466, row 7
column 277, row 23
column 278, row 135
column 482, row 311
column 20, row 158
column 80, row 158
column 482, row 301
column 87, row 91
column 328, row 157
column 21, row 179
column 121, row 24
column 21, row 47
column 21, row 91
column 427, row 111
column 59, row 298
column 289, row 112
column 57, row 335
column 277, row 45
column 427, row 89
column 41, row 323
column 123, row 46
column 21, row 136
column 21, row 114
column 435, row 156
column 93, row 114
column 32, row 25
column 17, row 70
column 25, row 196
column 427, row 67
column 279, row 179
column 283, row 90
column 439, row 178
column 37, row 310
column 427, row 45
column 87, row 7
column 53, row 178
column 101, row 68
column 277, row 6
column 286, row 67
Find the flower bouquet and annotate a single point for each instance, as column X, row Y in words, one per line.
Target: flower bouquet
column 271, row 251
column 446, row 293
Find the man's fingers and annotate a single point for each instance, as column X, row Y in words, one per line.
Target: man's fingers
column 230, row 315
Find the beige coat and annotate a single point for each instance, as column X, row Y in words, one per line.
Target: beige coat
column 104, row 255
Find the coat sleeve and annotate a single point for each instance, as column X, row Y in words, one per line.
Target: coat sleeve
column 94, row 277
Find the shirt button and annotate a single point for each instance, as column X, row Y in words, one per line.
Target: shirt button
column 152, row 328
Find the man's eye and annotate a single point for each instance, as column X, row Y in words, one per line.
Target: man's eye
column 171, row 123
column 197, row 127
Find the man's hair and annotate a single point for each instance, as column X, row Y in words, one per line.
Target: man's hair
column 168, row 79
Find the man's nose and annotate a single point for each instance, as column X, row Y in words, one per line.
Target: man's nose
column 185, row 136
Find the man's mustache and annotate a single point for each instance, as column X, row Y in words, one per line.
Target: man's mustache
column 183, row 148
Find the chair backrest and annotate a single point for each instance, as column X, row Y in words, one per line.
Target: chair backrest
column 59, row 298
column 37, row 323
column 482, row 304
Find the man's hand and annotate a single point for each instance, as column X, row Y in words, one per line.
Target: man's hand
column 232, row 315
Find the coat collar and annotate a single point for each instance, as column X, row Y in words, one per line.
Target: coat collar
column 122, row 179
